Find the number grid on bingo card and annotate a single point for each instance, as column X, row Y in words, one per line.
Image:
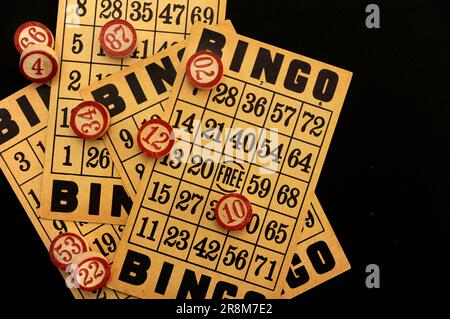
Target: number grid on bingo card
column 130, row 158
column 267, row 211
column 87, row 164
column 21, row 160
column 159, row 24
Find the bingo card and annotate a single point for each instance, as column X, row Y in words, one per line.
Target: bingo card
column 141, row 91
column 80, row 180
column 262, row 132
column 318, row 255
column 23, row 124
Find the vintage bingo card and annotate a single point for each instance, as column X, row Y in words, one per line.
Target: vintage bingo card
column 142, row 97
column 23, row 123
column 81, row 182
column 318, row 256
column 262, row 132
column 142, row 91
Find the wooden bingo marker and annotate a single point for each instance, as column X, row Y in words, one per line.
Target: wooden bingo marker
column 204, row 70
column 38, row 63
column 65, row 247
column 90, row 120
column 118, row 38
column 32, row 33
column 90, row 271
column 156, row 138
column 233, row 211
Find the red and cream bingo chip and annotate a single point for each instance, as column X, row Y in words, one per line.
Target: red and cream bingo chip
column 65, row 247
column 156, row 138
column 90, row 120
column 38, row 63
column 31, row 33
column 118, row 38
column 90, row 271
column 233, row 211
column 204, row 70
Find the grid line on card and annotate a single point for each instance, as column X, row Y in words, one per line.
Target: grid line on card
column 246, row 177
column 82, row 157
column 137, row 29
column 26, row 140
column 34, row 152
column 29, row 180
column 208, row 188
column 194, row 224
column 156, row 25
column 130, row 158
column 197, row 264
column 83, row 175
column 59, row 84
column 322, row 229
column 70, row 98
column 306, row 191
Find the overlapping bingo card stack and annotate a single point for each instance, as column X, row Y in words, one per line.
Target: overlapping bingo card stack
column 169, row 156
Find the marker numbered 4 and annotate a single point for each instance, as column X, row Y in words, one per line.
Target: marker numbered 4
column 204, row 70
column 65, row 248
column 156, row 138
column 90, row 120
column 233, row 211
column 118, row 38
column 38, row 63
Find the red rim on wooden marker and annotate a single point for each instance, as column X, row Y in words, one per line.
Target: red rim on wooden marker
column 38, row 63
column 92, row 271
column 156, row 138
column 65, row 248
column 31, row 33
column 118, row 38
column 90, row 120
column 233, row 211
column 204, row 70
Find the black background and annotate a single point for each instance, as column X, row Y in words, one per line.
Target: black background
column 384, row 185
